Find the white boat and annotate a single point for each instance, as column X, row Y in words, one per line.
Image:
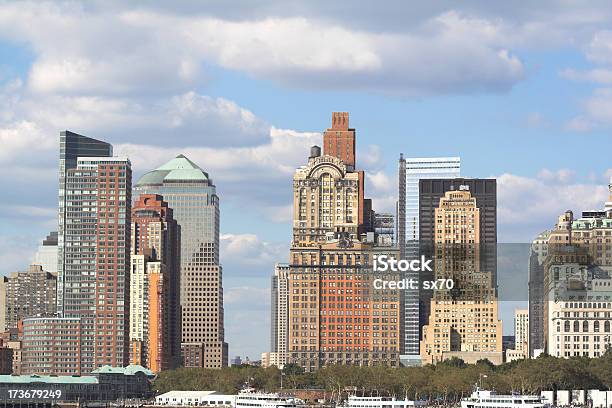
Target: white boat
column 250, row 398
column 490, row 399
column 380, row 402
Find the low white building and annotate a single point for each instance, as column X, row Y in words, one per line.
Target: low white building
column 599, row 399
column 195, row 398
column 592, row 398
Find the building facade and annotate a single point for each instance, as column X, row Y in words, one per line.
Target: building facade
column 463, row 320
column 192, row 195
column 29, row 294
column 279, row 316
column 339, row 140
column 335, row 314
column 72, row 146
column 93, row 265
column 411, row 171
column 52, row 346
column 521, row 336
column 154, row 285
column 576, row 282
column 105, row 385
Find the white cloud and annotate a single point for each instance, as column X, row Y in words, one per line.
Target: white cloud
column 16, row 253
column 597, row 112
column 598, row 75
column 380, row 182
column 23, row 139
column 527, row 206
column 97, row 51
column 260, row 175
column 248, row 250
column 563, row 176
column 247, row 296
column 600, row 48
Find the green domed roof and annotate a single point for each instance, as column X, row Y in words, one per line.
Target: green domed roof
column 178, row 169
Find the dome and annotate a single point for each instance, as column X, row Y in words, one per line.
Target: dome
column 178, row 169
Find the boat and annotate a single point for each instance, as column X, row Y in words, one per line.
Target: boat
column 380, row 402
column 249, row 398
column 490, row 399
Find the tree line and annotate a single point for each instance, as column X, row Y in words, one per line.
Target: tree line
column 448, row 381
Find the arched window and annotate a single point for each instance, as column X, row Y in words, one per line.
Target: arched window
column 607, row 326
column 567, row 326
column 576, row 326
column 585, row 326
column 596, row 326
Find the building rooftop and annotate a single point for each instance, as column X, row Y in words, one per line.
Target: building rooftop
column 49, row 379
column 132, row 369
column 178, row 169
column 74, row 379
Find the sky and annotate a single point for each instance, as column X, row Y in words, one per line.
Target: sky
column 522, row 91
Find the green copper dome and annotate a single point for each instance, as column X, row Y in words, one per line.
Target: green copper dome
column 178, row 169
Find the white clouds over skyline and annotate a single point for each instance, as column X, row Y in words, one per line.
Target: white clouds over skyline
column 145, row 77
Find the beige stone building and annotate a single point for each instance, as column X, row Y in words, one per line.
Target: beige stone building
column 463, row 322
column 577, row 285
column 521, row 336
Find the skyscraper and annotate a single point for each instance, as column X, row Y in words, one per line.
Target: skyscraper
column 93, row 260
column 154, row 285
column 279, row 318
column 72, row 146
column 411, row 171
column 335, row 314
column 96, row 254
column 463, row 322
column 191, row 194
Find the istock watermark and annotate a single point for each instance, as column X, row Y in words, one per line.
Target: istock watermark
column 407, row 284
column 384, row 263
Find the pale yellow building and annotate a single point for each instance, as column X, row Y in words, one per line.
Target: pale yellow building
column 463, row 322
column 521, row 336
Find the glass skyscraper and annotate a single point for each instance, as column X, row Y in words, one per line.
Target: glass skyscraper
column 411, row 170
column 191, row 194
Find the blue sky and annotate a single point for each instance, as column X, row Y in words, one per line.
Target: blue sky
column 522, row 92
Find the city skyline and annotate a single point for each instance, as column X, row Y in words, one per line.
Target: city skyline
column 532, row 92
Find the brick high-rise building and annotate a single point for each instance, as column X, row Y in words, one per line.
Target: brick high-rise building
column 29, row 294
column 72, row 146
column 97, row 247
column 336, row 316
column 93, row 259
column 154, row 288
column 192, row 195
